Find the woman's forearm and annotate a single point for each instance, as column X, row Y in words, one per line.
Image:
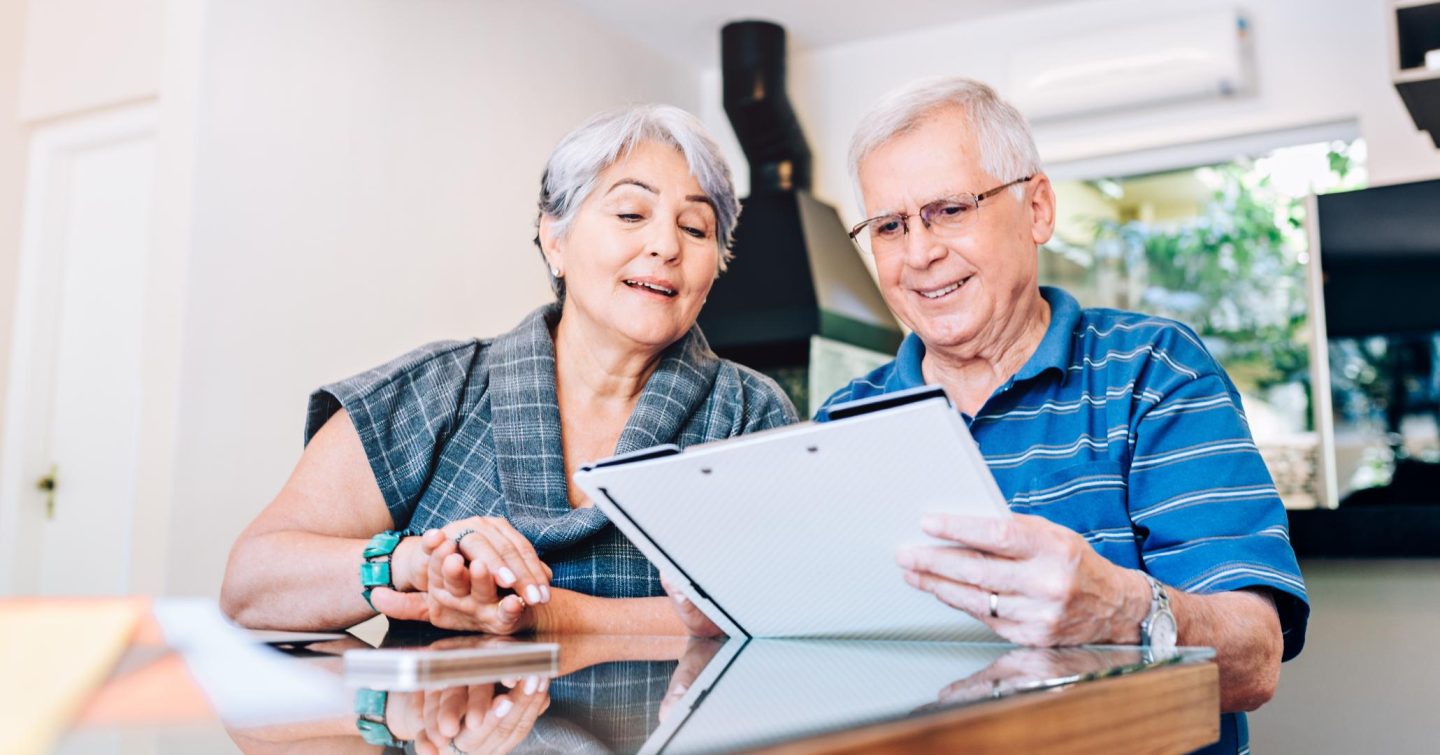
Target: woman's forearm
column 570, row 612
column 299, row 581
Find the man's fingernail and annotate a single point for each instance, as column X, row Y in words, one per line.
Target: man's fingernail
column 912, row 579
column 905, row 558
column 532, row 594
column 680, row 598
column 682, row 689
column 505, row 577
column 931, row 523
column 544, row 594
column 503, row 707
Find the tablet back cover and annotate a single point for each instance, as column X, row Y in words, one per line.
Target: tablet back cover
column 793, row 532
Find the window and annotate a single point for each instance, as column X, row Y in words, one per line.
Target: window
column 1221, row 248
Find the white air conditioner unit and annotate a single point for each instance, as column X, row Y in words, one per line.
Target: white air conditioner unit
column 1156, row 62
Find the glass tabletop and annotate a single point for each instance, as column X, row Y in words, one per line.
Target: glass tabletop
column 676, row 695
column 637, row 694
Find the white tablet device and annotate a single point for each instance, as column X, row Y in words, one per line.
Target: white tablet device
column 792, row 532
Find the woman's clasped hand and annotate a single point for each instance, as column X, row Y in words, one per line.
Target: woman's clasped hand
column 477, row 574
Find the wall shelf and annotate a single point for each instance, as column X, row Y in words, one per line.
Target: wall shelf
column 1415, row 32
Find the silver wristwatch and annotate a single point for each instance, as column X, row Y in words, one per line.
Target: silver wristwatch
column 1157, row 631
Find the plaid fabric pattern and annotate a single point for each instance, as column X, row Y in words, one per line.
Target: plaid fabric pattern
column 612, row 707
column 457, row 429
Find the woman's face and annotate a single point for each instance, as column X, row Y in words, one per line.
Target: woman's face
column 640, row 255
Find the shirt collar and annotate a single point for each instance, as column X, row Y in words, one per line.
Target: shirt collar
column 1056, row 347
column 907, row 372
column 1053, row 352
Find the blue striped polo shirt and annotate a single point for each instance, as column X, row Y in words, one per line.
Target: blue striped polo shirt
column 1124, row 428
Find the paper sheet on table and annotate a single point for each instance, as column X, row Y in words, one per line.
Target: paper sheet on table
column 247, row 684
column 54, row 654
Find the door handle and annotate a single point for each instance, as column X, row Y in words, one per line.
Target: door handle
column 46, row 485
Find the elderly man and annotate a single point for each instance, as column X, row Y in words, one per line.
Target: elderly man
column 1144, row 514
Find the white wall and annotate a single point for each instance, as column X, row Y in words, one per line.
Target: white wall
column 84, row 54
column 1318, row 61
column 366, row 178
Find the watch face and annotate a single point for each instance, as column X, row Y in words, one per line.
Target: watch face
column 1162, row 634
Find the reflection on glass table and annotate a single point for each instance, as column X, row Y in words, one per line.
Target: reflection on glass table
column 637, row 694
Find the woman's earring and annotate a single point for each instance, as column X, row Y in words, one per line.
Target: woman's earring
column 555, row 271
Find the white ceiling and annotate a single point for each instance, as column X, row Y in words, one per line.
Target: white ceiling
column 689, row 30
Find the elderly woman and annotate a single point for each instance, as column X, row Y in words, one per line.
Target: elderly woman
column 437, row 487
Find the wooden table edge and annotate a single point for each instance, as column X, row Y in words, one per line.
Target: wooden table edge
column 1164, row 710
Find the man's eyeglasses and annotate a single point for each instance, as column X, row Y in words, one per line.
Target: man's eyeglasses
column 943, row 217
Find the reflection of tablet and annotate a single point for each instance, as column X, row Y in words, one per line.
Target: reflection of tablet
column 403, row 669
column 792, row 532
column 789, row 689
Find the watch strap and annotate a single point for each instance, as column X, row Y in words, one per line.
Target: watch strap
column 375, row 568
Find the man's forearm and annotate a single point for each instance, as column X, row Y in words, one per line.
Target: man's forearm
column 1244, row 628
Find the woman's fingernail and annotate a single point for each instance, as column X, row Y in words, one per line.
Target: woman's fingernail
column 681, row 690
column 532, row 594
column 680, row 598
column 505, row 577
column 503, row 707
column 544, row 594
column 531, row 684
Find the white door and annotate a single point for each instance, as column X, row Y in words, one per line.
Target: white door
column 75, row 394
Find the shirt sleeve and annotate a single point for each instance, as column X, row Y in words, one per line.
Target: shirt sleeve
column 402, row 411
column 1204, row 506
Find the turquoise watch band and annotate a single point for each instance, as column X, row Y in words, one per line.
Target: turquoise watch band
column 376, row 573
column 370, row 709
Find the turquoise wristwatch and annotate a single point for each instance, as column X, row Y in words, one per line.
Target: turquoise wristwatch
column 373, row 571
column 370, row 712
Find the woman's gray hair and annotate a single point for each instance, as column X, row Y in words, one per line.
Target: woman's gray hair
column 1007, row 149
column 580, row 158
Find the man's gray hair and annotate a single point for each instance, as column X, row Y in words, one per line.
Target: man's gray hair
column 585, row 153
column 1007, row 150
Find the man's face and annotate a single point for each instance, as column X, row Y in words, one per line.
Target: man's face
column 956, row 290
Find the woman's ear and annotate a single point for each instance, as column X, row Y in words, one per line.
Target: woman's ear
column 550, row 246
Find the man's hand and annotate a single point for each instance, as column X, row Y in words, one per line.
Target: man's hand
column 1052, row 587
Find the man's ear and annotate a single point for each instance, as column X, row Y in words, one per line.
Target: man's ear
column 1042, row 209
column 550, row 245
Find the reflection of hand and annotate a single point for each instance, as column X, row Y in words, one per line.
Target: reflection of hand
column 478, row 718
column 697, row 656
column 1025, row 667
column 694, row 619
column 1052, row 587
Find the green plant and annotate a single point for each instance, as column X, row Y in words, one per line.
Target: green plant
column 1236, row 271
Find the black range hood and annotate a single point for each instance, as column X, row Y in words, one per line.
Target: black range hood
column 796, row 274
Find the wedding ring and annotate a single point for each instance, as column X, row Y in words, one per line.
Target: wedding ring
column 455, row 749
column 461, row 536
column 994, row 606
